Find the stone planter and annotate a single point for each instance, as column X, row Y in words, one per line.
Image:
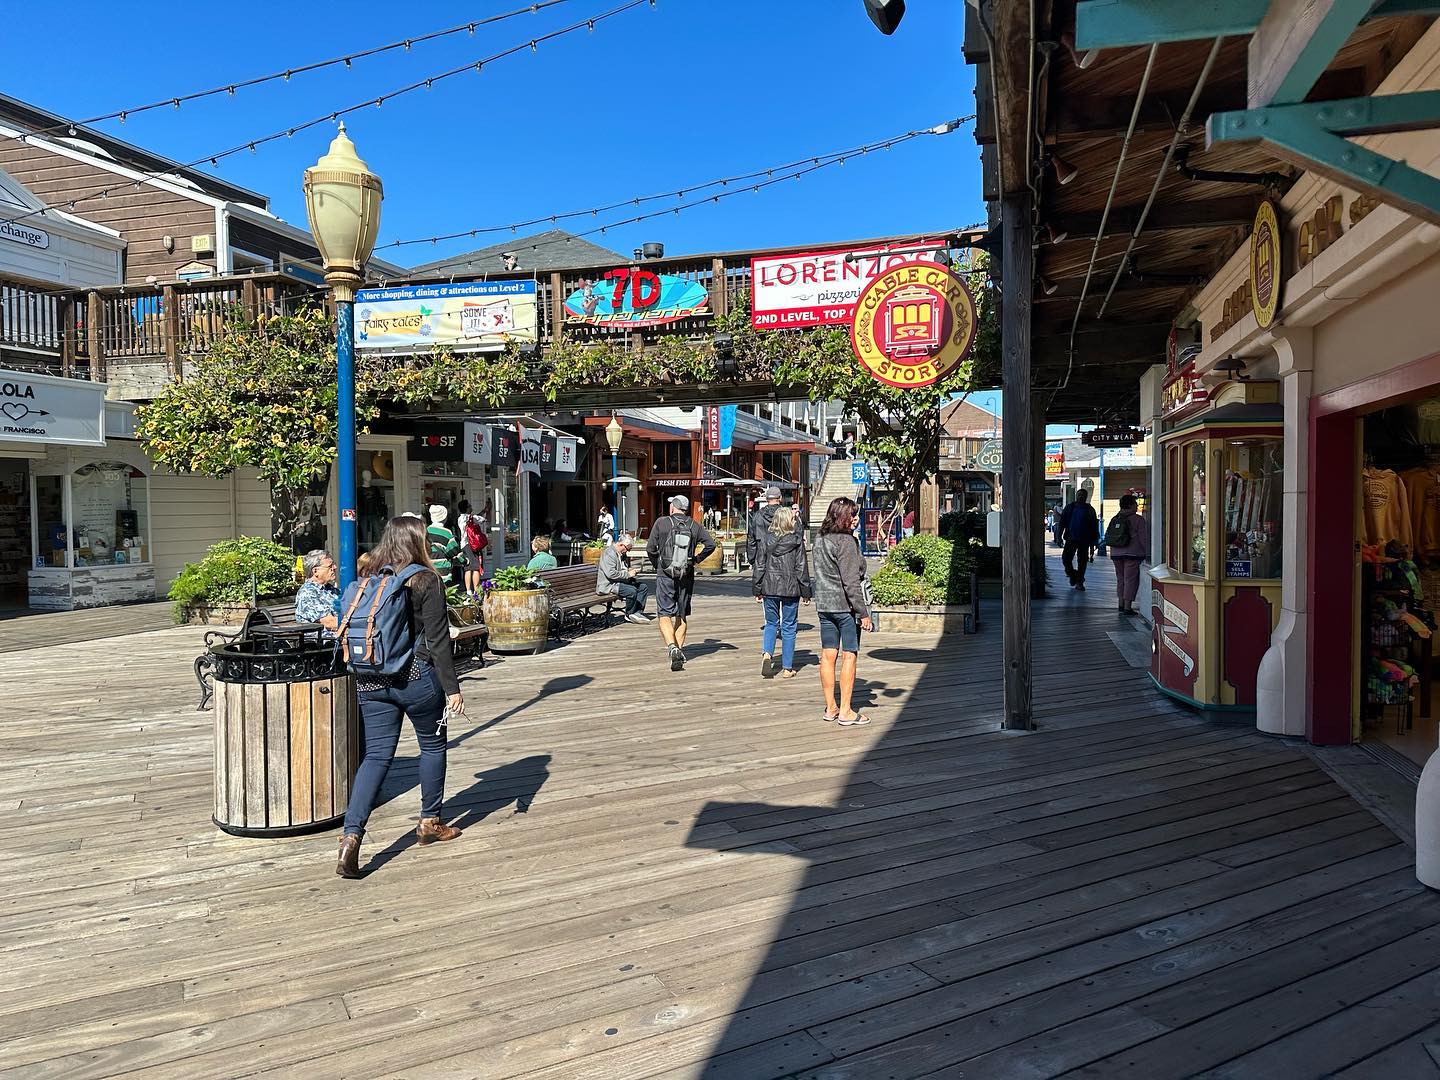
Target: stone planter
column 224, row 614
column 924, row 618
column 518, row 622
column 591, row 556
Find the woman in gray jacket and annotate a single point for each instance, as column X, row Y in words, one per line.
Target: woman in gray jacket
column 781, row 579
column 840, row 603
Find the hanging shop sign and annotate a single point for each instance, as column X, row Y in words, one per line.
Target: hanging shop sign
column 477, row 443
column 914, row 324
column 469, row 315
column 1183, row 393
column 1113, row 435
column 630, row 298
column 1266, row 270
column 23, row 234
column 1055, row 461
column 990, row 456
column 438, row 442
column 720, row 428
column 46, row 409
column 979, row 487
column 530, row 450
column 818, row 288
column 504, row 447
column 859, row 472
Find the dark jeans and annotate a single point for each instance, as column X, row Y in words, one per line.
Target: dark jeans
column 635, row 594
column 380, row 710
column 1079, row 555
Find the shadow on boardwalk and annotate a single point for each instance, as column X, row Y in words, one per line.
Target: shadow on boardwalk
column 1125, row 892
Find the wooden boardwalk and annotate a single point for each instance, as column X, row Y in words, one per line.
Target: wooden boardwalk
column 690, row 875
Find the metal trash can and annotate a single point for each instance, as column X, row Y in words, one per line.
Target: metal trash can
column 287, row 732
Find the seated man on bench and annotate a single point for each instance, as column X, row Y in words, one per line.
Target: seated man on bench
column 318, row 600
column 615, row 576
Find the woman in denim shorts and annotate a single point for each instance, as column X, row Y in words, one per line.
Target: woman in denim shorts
column 843, row 612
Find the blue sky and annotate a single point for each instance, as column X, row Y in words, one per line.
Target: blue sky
column 653, row 99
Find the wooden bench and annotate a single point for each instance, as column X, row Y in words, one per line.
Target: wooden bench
column 573, row 600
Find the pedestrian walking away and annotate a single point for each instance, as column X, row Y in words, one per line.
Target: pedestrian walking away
column 616, row 577
column 1127, row 538
column 444, row 551
column 842, row 605
column 1078, row 532
column 781, row 581
column 676, row 544
column 403, row 666
column 470, row 534
column 760, row 523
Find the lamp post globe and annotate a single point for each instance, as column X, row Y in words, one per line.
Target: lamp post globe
column 614, row 435
column 342, row 201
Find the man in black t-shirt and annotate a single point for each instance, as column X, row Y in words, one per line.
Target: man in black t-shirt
column 674, row 564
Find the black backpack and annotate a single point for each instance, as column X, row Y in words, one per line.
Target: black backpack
column 1117, row 533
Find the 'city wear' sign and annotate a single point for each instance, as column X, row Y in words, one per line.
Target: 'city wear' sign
column 914, row 324
column 46, row 409
column 438, row 442
column 630, row 298
column 469, row 315
column 1113, row 435
column 1266, row 270
column 818, row 288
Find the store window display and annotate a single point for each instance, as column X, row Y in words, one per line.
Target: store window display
column 1254, row 485
column 110, row 505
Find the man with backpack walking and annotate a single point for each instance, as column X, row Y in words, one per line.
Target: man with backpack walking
column 1079, row 531
column 676, row 544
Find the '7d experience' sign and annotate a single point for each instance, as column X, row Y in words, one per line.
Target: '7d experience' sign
column 914, row 324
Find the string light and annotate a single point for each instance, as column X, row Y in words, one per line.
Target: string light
column 813, row 162
column 253, row 144
column 319, row 65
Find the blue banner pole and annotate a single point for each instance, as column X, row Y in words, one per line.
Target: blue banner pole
column 345, row 437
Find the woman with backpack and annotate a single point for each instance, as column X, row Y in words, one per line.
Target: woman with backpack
column 1128, row 539
column 843, row 606
column 781, row 581
column 470, row 531
column 422, row 690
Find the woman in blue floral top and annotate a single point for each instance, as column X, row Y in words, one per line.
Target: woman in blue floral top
column 318, row 600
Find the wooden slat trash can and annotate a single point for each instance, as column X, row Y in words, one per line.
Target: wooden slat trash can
column 287, row 734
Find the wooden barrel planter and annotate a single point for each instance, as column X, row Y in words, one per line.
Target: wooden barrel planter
column 287, row 735
column 713, row 562
column 518, row 622
column 591, row 556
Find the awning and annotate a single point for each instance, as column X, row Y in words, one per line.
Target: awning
column 803, row 447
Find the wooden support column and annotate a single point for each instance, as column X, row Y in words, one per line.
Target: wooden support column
column 1018, row 476
column 1037, row 506
column 68, row 344
column 170, row 330
column 94, row 313
column 719, row 301
column 557, row 308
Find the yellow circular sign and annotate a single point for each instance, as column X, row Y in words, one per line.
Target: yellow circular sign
column 913, row 324
column 1265, row 264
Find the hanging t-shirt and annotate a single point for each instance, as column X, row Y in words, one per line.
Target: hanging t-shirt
column 1422, row 486
column 1384, row 507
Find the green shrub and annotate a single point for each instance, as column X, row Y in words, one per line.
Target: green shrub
column 516, row 579
column 231, row 569
column 968, row 526
column 924, row 570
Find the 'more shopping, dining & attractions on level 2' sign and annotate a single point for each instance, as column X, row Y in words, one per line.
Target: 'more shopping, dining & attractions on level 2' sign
column 914, row 324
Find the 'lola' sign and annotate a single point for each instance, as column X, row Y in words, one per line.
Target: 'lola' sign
column 46, row 409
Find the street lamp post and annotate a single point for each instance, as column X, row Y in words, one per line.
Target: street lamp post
column 342, row 200
column 614, row 434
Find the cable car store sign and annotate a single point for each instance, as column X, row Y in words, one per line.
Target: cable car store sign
column 913, row 325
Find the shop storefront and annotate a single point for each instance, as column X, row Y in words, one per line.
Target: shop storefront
column 1341, row 316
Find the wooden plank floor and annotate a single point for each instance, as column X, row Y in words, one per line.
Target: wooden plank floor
column 690, row 875
column 23, row 629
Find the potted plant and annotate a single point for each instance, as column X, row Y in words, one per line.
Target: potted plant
column 462, row 607
column 924, row 586
column 590, row 554
column 517, row 611
column 219, row 589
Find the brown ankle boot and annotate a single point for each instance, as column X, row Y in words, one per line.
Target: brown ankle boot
column 348, row 865
column 432, row 829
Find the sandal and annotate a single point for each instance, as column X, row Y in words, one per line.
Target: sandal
column 830, row 718
column 788, row 673
column 858, row 720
